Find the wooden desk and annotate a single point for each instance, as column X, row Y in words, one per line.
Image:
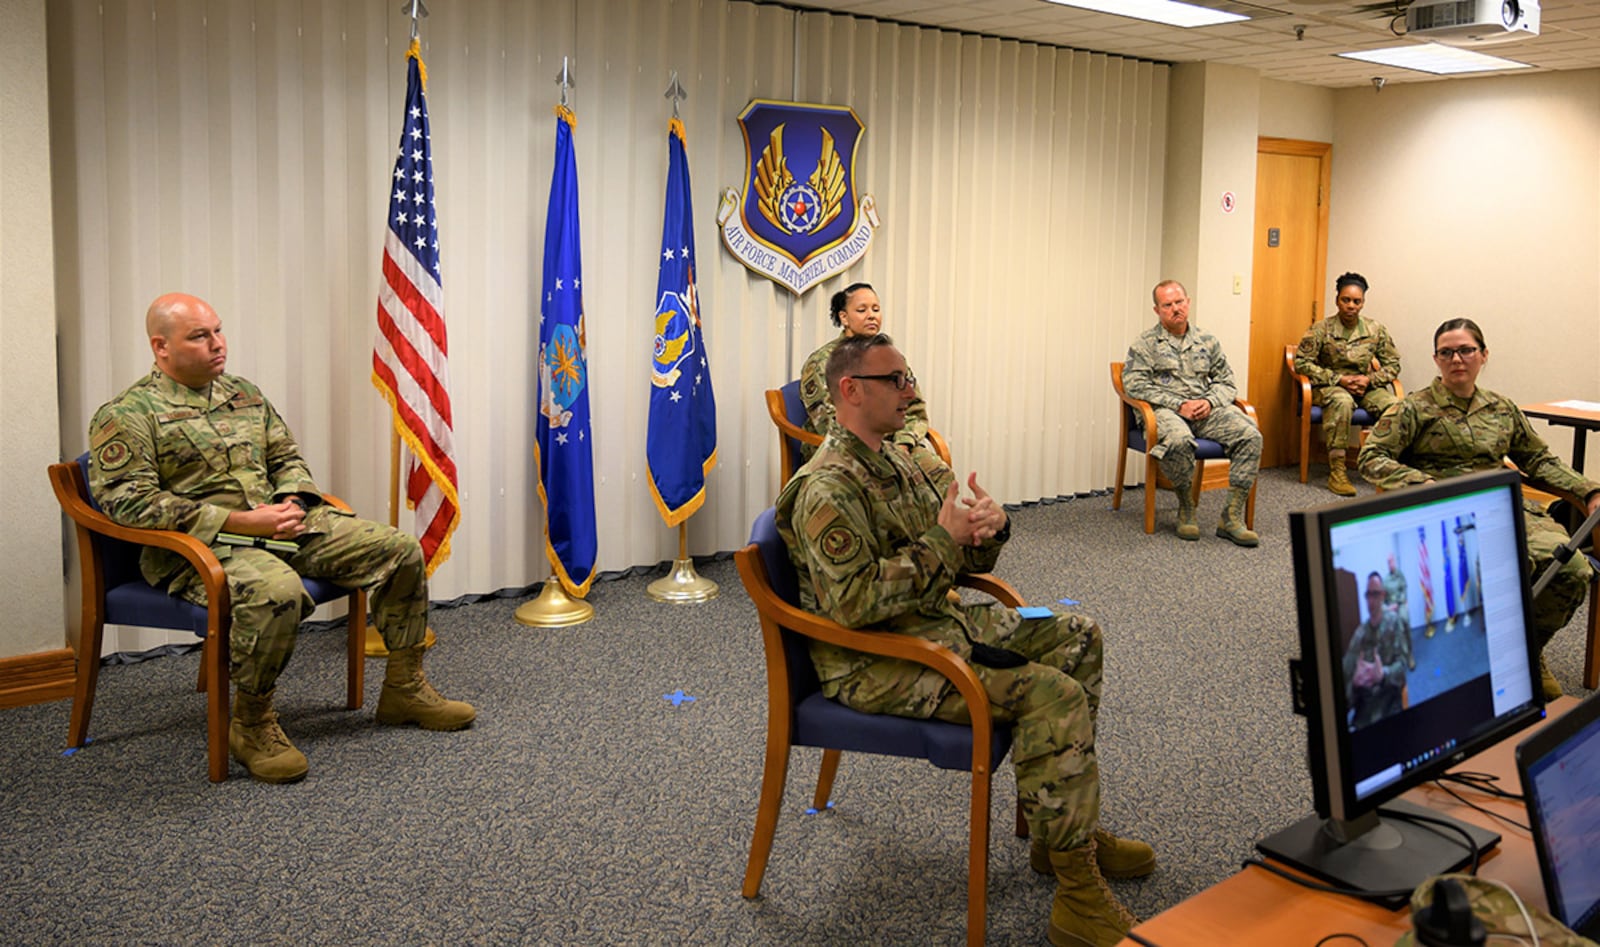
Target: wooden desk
column 1255, row 908
column 1581, row 422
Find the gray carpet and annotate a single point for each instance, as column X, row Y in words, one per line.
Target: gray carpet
column 584, row 808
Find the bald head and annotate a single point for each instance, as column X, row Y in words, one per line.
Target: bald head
column 186, row 339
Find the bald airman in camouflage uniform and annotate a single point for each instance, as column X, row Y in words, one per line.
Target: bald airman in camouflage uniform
column 192, row 449
column 1376, row 661
column 878, row 537
column 1432, row 435
column 1182, row 372
column 1350, row 360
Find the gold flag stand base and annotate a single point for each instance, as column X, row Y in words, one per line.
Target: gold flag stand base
column 554, row 608
column 683, row 586
column 375, row 647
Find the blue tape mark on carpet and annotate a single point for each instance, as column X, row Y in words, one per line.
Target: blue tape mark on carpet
column 73, row 749
column 1069, row 602
column 814, row 810
column 678, row 698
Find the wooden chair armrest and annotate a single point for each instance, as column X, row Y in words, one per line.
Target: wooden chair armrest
column 993, row 586
column 939, row 445
column 1248, row 409
column 780, row 417
column 886, row 643
column 334, row 501
column 67, row 481
column 1146, row 414
column 1302, row 382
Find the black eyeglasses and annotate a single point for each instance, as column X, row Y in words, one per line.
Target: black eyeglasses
column 1464, row 351
column 900, row 380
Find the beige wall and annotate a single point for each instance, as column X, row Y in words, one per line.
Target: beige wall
column 31, row 553
column 1478, row 198
column 1213, row 125
column 1292, row 110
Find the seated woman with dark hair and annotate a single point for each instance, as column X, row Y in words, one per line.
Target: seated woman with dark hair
column 1337, row 354
column 1453, row 427
column 856, row 311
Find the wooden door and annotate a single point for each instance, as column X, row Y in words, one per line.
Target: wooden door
column 1287, row 272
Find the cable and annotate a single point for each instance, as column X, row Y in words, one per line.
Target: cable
column 1377, row 896
column 1485, row 783
column 1488, row 812
column 1148, row 943
column 1472, row 846
column 1355, row 937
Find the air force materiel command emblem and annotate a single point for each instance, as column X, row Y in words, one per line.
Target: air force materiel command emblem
column 800, row 219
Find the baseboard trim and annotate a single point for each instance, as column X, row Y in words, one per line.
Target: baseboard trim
column 37, row 678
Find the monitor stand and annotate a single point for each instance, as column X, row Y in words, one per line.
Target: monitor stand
column 1377, row 854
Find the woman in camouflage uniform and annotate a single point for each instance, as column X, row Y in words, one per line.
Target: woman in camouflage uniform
column 1453, row 427
column 856, row 311
column 1337, row 354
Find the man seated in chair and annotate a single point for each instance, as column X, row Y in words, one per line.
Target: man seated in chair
column 194, row 449
column 1182, row 372
column 878, row 537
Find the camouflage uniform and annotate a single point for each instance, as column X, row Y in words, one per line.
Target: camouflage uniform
column 1503, row 915
column 819, row 407
column 1431, row 434
column 1330, row 350
column 1394, row 594
column 166, row 456
column 862, row 529
column 1167, row 370
column 1387, row 640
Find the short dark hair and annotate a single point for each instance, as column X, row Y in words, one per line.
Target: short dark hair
column 841, row 299
column 1450, row 325
column 1350, row 279
column 1374, row 575
column 847, row 356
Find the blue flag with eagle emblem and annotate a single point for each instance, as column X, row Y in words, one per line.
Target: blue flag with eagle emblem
column 681, row 445
column 562, row 446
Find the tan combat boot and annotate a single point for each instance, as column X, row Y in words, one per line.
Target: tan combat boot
column 1117, row 857
column 1084, row 910
column 1232, row 526
column 1547, row 681
column 1188, row 527
column 256, row 741
column 1338, row 476
column 407, row 697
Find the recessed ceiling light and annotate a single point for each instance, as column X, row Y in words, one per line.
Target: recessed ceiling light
column 1435, row 58
column 1169, row 12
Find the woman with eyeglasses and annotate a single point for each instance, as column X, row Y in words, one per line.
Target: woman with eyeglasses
column 1453, row 427
column 855, row 310
column 1351, row 361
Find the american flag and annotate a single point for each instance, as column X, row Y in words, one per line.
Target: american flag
column 1427, row 579
column 410, row 363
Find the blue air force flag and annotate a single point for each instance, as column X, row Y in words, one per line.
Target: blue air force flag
column 681, row 445
column 800, row 219
column 562, row 445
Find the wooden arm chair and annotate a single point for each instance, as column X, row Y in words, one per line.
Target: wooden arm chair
column 1138, row 431
column 799, row 715
column 1570, row 510
column 114, row 591
column 789, row 414
column 1307, row 415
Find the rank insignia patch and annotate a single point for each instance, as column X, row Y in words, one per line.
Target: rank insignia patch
column 800, row 218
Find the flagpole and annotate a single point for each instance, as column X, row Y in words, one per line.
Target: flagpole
column 682, row 585
column 554, row 608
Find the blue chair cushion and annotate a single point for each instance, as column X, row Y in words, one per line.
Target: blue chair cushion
column 1204, row 448
column 1361, row 417
column 826, row 723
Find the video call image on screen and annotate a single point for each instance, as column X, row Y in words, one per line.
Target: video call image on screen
column 1428, row 605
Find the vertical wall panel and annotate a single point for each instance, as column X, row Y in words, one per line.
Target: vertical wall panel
column 243, row 151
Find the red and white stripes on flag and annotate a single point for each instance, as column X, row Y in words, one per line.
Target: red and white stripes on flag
column 410, row 360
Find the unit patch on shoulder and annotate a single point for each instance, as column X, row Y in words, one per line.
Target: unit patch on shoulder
column 113, row 456
column 840, row 544
column 1383, row 425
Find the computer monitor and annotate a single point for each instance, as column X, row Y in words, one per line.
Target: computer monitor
column 1416, row 651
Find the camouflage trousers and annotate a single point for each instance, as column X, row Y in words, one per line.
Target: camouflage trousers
column 1339, row 405
column 1228, row 426
column 1556, row 605
column 1051, row 704
column 269, row 601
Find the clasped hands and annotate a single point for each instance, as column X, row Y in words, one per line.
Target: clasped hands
column 1355, row 384
column 971, row 521
column 1197, row 409
column 282, row 520
column 1367, row 674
